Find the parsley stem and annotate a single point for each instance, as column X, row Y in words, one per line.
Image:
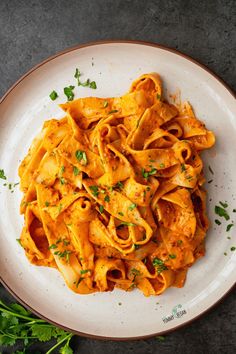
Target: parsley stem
column 18, row 315
column 16, row 337
column 68, row 337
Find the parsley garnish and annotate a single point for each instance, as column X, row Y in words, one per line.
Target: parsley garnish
column 94, row 190
column 76, row 171
column 84, row 271
column 81, row 156
column 19, row 241
column 119, row 185
column 233, row 248
column 146, row 174
column 87, row 83
column 159, row 264
column 2, row 174
column 52, row 246
column 234, row 210
column 136, row 246
column 183, row 168
column 224, row 205
column 217, row 222
column 229, row 227
column 93, row 85
column 221, row 212
column 62, row 180
column 172, row 256
column 179, row 242
column 120, row 213
column 113, row 111
column 68, row 91
column 158, row 96
column 107, row 198
column 64, row 254
column 127, row 223
column 132, row 206
column 105, row 104
column 101, row 208
column 18, row 324
column 162, row 165
column 53, row 95
column 47, row 203
column 135, row 273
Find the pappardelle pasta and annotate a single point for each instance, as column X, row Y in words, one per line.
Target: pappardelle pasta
column 113, row 192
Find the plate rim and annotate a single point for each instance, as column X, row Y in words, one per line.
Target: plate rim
column 85, row 45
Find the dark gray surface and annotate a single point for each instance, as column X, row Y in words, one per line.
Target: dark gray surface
column 30, row 31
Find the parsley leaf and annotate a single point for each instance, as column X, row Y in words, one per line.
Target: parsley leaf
column 107, row 198
column 221, row 212
column 76, row 171
column 132, row 206
column 81, row 157
column 53, row 95
column 2, row 174
column 68, row 91
column 94, row 190
column 229, row 227
column 159, row 264
column 101, row 208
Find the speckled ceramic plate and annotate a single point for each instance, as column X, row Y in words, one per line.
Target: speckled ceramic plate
column 113, row 65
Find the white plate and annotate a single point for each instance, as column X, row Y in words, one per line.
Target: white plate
column 113, row 65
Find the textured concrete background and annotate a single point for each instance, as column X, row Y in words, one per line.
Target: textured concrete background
column 30, row 31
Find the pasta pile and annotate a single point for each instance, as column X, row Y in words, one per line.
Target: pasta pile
column 113, row 192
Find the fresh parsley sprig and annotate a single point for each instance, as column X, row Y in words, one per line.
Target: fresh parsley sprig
column 18, row 324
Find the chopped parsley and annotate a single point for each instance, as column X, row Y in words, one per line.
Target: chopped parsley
column 127, row 223
column 87, row 83
column 234, row 210
column 183, row 168
column 158, row 96
column 84, row 271
column 101, row 208
column 76, row 171
column 146, row 174
column 107, row 198
column 119, row 185
column 229, row 227
column 53, row 95
column 179, row 242
column 105, row 104
column 135, row 272
column 68, row 91
column 162, row 165
column 159, row 264
column 224, row 205
column 221, row 212
column 93, row 85
column 132, row 206
column 172, row 256
column 65, row 254
column 47, row 203
column 19, row 241
column 81, row 157
column 136, row 246
column 217, row 222
column 53, row 246
column 113, row 111
column 62, row 180
column 94, row 190
column 233, row 248
column 120, row 213
column 2, row 174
